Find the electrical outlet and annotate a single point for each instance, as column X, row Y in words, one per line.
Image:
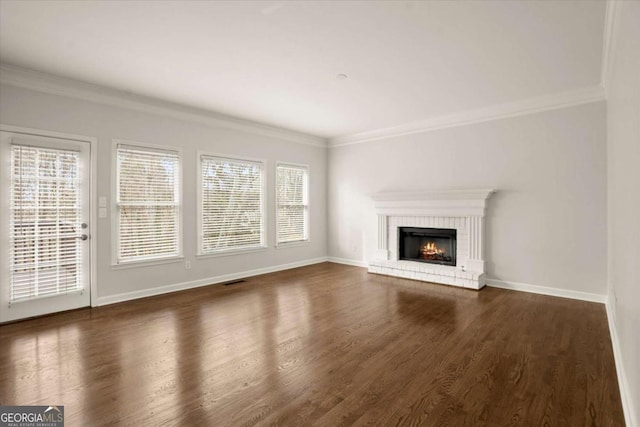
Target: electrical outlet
column 187, row 265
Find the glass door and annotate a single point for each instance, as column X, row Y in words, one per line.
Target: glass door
column 45, row 196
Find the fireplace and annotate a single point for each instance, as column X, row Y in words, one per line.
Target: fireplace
column 429, row 245
column 408, row 246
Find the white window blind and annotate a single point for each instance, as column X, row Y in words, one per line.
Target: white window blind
column 44, row 255
column 292, row 200
column 231, row 208
column 148, row 186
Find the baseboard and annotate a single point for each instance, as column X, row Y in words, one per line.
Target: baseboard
column 128, row 296
column 625, row 396
column 346, row 261
column 556, row 292
column 503, row 284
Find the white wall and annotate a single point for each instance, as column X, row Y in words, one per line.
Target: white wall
column 623, row 94
column 22, row 107
column 546, row 224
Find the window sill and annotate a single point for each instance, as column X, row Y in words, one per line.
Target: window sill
column 230, row 252
column 145, row 263
column 292, row 244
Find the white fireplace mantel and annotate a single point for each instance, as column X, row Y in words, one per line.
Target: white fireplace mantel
column 433, row 203
column 463, row 210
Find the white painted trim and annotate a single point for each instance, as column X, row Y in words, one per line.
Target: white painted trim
column 93, row 205
column 544, row 290
column 353, row 262
column 231, row 252
column 493, row 112
column 47, row 83
column 57, row 85
column 608, row 42
column 445, row 203
column 93, row 188
column 453, row 194
column 47, row 133
column 514, row 286
column 128, row 296
column 148, row 263
column 630, row 413
column 295, row 244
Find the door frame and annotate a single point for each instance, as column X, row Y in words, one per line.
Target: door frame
column 93, row 181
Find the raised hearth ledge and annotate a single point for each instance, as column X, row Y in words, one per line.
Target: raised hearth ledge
column 427, row 273
column 463, row 210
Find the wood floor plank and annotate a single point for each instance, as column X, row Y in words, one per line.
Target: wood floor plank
column 323, row 345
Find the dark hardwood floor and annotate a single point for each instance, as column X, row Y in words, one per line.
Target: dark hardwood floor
column 323, row 345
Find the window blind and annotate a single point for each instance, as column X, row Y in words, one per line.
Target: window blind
column 148, row 203
column 231, row 210
column 44, row 223
column 292, row 215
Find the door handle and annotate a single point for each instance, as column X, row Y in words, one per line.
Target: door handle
column 82, row 237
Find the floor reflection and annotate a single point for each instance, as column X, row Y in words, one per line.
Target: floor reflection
column 286, row 349
column 426, row 309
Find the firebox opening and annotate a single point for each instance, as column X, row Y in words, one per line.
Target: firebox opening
column 430, row 245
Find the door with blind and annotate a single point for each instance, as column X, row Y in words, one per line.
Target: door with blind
column 45, row 194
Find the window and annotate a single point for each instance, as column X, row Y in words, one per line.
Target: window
column 231, row 205
column 292, row 203
column 45, row 216
column 148, row 203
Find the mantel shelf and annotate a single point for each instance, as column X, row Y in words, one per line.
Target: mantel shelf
column 458, row 203
column 431, row 195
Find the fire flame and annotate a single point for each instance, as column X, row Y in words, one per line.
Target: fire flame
column 431, row 249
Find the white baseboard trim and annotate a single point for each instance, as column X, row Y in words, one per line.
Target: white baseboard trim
column 346, row 261
column 543, row 290
column 503, row 284
column 625, row 396
column 128, row 296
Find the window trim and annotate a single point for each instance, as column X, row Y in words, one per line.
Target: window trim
column 115, row 217
column 263, row 205
column 304, row 242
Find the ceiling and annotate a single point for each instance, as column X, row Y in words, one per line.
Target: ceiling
column 276, row 62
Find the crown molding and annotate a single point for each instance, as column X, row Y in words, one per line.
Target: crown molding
column 42, row 82
column 608, row 41
column 494, row 112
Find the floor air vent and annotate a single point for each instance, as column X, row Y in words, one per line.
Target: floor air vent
column 233, row 282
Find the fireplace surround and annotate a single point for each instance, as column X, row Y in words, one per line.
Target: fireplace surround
column 459, row 211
